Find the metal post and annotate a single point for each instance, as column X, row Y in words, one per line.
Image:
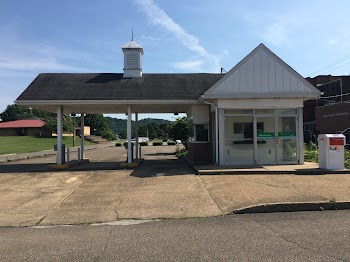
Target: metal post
column 137, row 135
column 129, row 135
column 59, row 135
column 82, row 135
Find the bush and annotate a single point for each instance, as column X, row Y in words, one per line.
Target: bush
column 171, row 143
column 182, row 152
column 310, row 146
column 109, row 135
column 158, row 143
column 143, row 143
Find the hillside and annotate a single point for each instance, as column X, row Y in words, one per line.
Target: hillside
column 119, row 125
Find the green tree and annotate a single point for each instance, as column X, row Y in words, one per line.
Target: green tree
column 16, row 112
column 98, row 123
column 179, row 129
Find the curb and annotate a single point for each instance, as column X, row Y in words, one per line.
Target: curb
column 69, row 164
column 269, row 172
column 293, row 207
column 16, row 157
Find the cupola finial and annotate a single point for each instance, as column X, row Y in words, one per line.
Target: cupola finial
column 132, row 33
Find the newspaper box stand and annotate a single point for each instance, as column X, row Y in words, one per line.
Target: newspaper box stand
column 331, row 151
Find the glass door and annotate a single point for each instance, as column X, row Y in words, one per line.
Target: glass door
column 276, row 140
column 286, row 140
column 265, row 140
column 239, row 148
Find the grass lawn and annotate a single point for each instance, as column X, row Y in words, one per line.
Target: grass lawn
column 27, row 144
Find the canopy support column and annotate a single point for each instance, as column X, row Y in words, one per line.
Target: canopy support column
column 59, row 159
column 128, row 127
column 300, row 136
column 137, row 135
column 82, row 136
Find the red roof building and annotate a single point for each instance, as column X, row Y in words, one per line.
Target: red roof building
column 23, row 123
column 26, row 127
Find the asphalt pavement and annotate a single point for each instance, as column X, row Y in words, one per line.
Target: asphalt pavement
column 301, row 236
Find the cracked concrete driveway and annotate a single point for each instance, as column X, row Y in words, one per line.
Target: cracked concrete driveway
column 162, row 187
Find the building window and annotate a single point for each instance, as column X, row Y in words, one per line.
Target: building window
column 246, row 129
column 200, row 132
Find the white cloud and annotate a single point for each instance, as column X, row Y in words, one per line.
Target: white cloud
column 150, row 38
column 276, row 34
column 38, row 64
column 189, row 65
column 160, row 18
column 18, row 54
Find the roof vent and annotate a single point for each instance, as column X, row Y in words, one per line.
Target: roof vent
column 132, row 59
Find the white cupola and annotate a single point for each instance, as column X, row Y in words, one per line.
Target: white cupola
column 132, row 59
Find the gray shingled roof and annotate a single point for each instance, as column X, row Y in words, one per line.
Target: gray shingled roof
column 110, row 86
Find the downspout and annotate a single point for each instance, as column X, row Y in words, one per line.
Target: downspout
column 216, row 130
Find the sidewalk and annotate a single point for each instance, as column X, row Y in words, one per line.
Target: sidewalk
column 162, row 187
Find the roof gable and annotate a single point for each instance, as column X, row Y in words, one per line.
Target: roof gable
column 262, row 74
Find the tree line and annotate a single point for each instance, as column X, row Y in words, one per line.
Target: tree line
column 107, row 127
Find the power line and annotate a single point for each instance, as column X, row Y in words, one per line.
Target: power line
column 336, row 62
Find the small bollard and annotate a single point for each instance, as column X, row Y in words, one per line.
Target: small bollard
column 78, row 153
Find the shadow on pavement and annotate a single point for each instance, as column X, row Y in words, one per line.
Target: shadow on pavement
column 162, row 167
column 44, row 167
column 160, row 154
column 15, row 168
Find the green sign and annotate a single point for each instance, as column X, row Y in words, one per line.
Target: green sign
column 266, row 134
column 287, row 134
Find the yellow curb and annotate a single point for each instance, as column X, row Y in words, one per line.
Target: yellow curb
column 63, row 166
column 128, row 165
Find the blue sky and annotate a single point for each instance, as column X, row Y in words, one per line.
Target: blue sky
column 180, row 36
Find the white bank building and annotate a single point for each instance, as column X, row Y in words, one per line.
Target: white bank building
column 251, row 115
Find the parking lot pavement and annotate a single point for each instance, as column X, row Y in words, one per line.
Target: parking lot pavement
column 162, row 187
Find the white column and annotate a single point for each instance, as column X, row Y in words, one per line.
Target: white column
column 216, row 136
column 82, row 136
column 59, row 135
column 137, row 135
column 300, row 136
column 221, row 136
column 128, row 130
column 255, row 139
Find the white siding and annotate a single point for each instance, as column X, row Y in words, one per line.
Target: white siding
column 200, row 114
column 257, row 72
column 242, row 79
column 272, row 75
column 262, row 72
column 268, row 103
column 250, row 76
